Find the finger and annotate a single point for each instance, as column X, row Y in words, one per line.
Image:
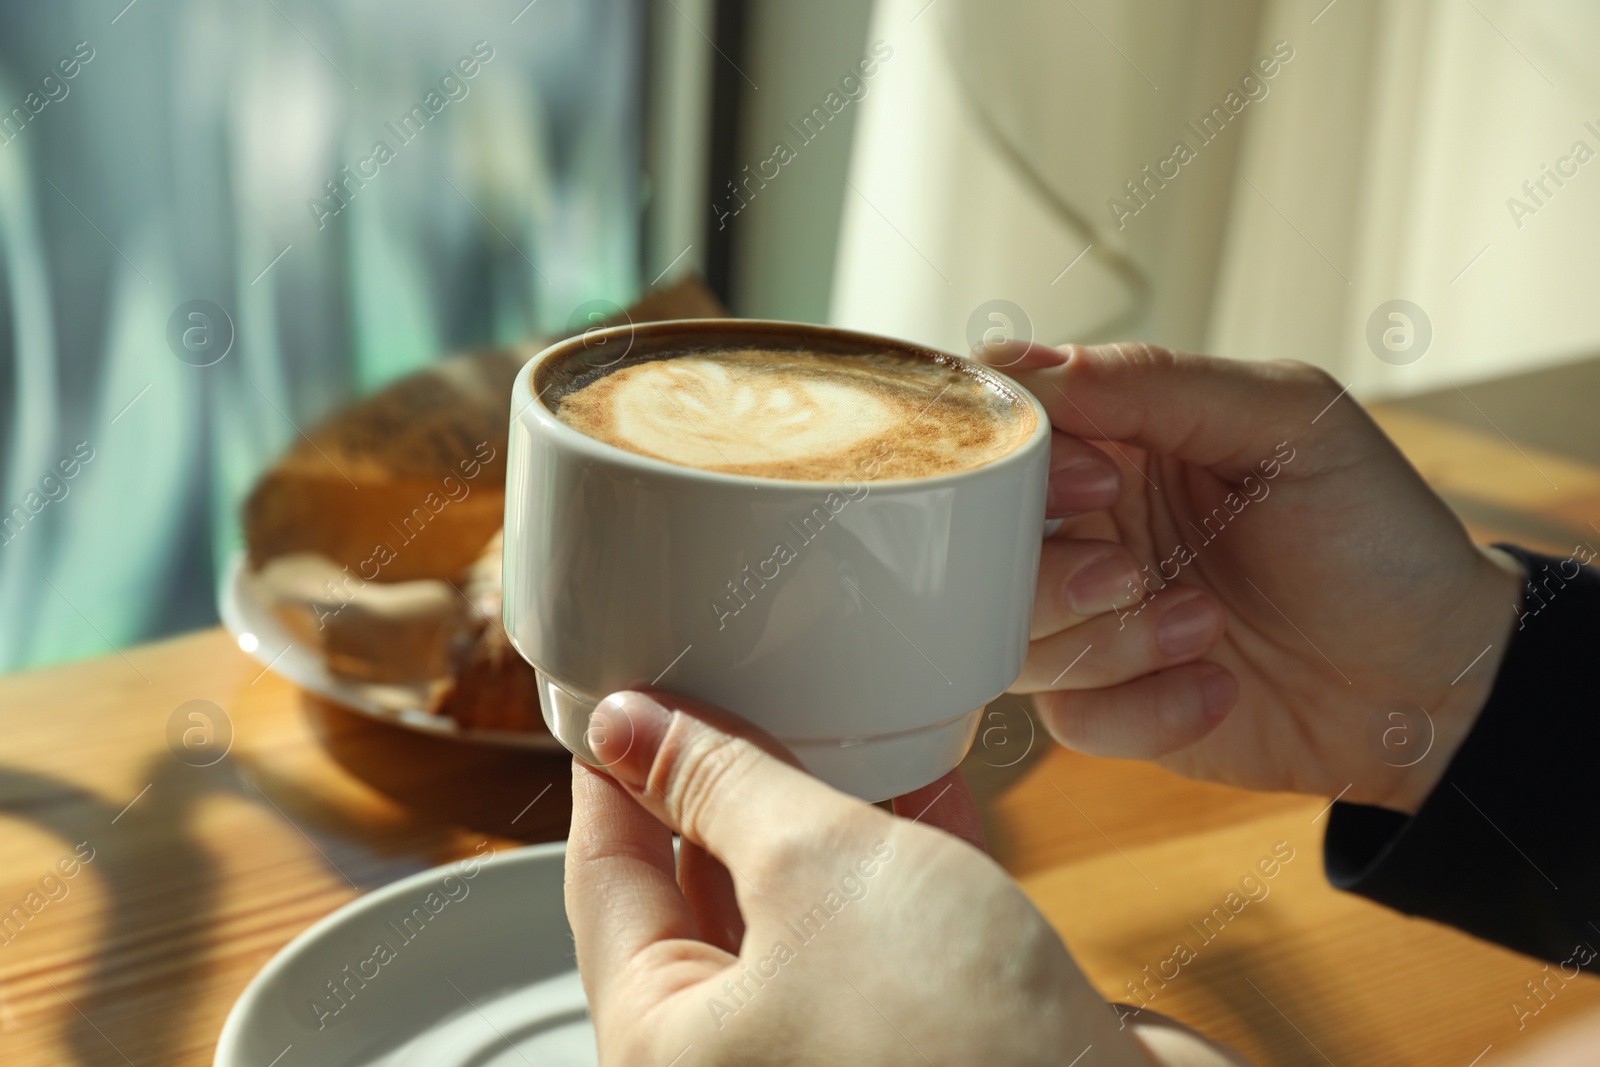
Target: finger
column 1017, row 355
column 946, row 803
column 1224, row 414
column 712, row 777
column 1082, row 478
column 621, row 893
column 708, row 888
column 1176, row 625
column 1079, row 580
column 1144, row 718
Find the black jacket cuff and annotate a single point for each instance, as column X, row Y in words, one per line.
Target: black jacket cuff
column 1504, row 846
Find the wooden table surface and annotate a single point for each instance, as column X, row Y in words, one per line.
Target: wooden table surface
column 200, row 874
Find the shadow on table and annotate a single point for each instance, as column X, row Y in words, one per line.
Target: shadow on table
column 1261, row 994
column 160, row 883
column 521, row 794
column 161, row 880
column 1010, row 740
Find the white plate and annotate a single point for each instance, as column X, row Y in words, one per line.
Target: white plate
column 486, row 980
column 262, row 636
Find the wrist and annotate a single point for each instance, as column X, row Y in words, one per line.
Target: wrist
column 1490, row 617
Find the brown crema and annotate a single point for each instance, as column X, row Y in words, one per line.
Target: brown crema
column 796, row 415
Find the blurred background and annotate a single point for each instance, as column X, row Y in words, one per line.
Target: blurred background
column 221, row 222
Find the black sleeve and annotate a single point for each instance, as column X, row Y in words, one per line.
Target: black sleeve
column 1505, row 847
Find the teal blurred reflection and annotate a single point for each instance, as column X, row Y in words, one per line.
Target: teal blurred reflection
column 353, row 188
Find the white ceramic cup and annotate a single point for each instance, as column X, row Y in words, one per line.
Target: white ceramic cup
column 864, row 624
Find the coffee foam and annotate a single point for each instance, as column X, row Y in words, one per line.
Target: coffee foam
column 800, row 415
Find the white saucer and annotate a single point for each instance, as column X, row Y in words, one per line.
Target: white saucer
column 486, row 980
column 264, row 638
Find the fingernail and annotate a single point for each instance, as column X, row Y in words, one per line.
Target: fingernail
column 1084, row 484
column 1187, row 628
column 1112, row 582
column 1217, row 693
column 624, row 734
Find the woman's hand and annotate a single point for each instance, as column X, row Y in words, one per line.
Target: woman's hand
column 799, row 925
column 1241, row 537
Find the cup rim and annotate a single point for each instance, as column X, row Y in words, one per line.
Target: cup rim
column 578, row 441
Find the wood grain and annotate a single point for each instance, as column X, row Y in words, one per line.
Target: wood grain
column 200, row 874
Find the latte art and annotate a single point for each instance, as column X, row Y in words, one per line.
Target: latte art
column 801, row 415
column 700, row 412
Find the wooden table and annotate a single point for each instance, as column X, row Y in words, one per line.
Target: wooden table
column 200, row 874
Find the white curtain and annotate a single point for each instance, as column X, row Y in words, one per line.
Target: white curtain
column 1367, row 153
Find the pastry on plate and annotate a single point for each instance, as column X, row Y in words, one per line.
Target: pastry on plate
column 375, row 539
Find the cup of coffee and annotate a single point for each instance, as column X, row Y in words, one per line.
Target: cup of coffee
column 832, row 534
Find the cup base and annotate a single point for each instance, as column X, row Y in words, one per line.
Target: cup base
column 871, row 768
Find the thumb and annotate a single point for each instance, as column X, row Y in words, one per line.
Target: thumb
column 1226, row 415
column 715, row 779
